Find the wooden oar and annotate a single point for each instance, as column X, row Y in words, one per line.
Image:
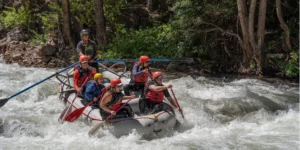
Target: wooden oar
column 68, row 109
column 178, row 106
column 76, row 113
column 4, row 101
column 97, row 126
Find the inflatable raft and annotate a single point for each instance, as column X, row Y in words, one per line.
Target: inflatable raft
column 120, row 125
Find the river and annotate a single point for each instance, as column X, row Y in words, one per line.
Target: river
column 219, row 114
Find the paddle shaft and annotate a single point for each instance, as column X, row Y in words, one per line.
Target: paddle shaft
column 3, row 101
column 97, row 126
column 75, row 97
column 110, row 70
column 118, row 109
column 41, row 81
column 187, row 60
column 76, row 114
column 178, row 106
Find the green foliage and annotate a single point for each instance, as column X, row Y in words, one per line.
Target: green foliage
column 83, row 11
column 154, row 42
column 38, row 38
column 50, row 19
column 252, row 64
column 14, row 17
column 270, row 46
column 292, row 68
column 112, row 8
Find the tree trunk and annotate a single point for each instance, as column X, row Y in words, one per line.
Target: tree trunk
column 67, row 25
column 287, row 40
column 100, row 23
column 251, row 24
column 32, row 21
column 260, row 34
column 242, row 13
column 150, row 5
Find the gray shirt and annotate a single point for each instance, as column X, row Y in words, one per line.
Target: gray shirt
column 89, row 49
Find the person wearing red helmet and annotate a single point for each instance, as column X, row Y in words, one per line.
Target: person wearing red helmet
column 112, row 99
column 154, row 93
column 140, row 74
column 88, row 47
column 81, row 73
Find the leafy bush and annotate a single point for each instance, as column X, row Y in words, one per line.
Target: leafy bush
column 38, row 38
column 17, row 17
column 154, row 42
column 292, row 68
column 50, row 19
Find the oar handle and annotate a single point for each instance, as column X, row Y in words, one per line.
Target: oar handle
column 178, row 106
column 118, row 109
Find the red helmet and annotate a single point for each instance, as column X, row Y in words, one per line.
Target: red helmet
column 115, row 82
column 83, row 58
column 144, row 59
column 156, row 74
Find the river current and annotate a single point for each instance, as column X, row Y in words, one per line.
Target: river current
column 219, row 114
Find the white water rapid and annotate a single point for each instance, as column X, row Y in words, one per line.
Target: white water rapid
column 239, row 114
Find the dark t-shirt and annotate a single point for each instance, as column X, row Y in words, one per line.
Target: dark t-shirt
column 89, row 50
column 166, row 92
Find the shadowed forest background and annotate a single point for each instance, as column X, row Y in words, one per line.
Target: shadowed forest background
column 254, row 37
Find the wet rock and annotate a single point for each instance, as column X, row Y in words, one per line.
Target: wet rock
column 17, row 35
column 47, row 50
column 16, row 57
column 3, row 45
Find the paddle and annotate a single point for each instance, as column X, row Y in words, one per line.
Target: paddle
column 108, row 69
column 76, row 113
column 186, row 60
column 97, row 126
column 180, row 110
column 68, row 109
column 3, row 101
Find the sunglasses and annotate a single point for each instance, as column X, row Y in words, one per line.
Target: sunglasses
column 160, row 78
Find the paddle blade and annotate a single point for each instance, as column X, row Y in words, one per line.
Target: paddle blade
column 74, row 115
column 3, row 101
column 94, row 130
column 65, row 112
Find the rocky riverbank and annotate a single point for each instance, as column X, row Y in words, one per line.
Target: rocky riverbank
column 15, row 49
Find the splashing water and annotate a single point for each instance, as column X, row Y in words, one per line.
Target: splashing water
column 241, row 114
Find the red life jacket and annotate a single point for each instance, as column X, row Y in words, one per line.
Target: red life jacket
column 116, row 106
column 154, row 96
column 115, row 102
column 83, row 75
column 142, row 78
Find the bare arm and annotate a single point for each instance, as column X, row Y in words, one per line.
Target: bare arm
column 128, row 97
column 106, row 98
column 159, row 88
